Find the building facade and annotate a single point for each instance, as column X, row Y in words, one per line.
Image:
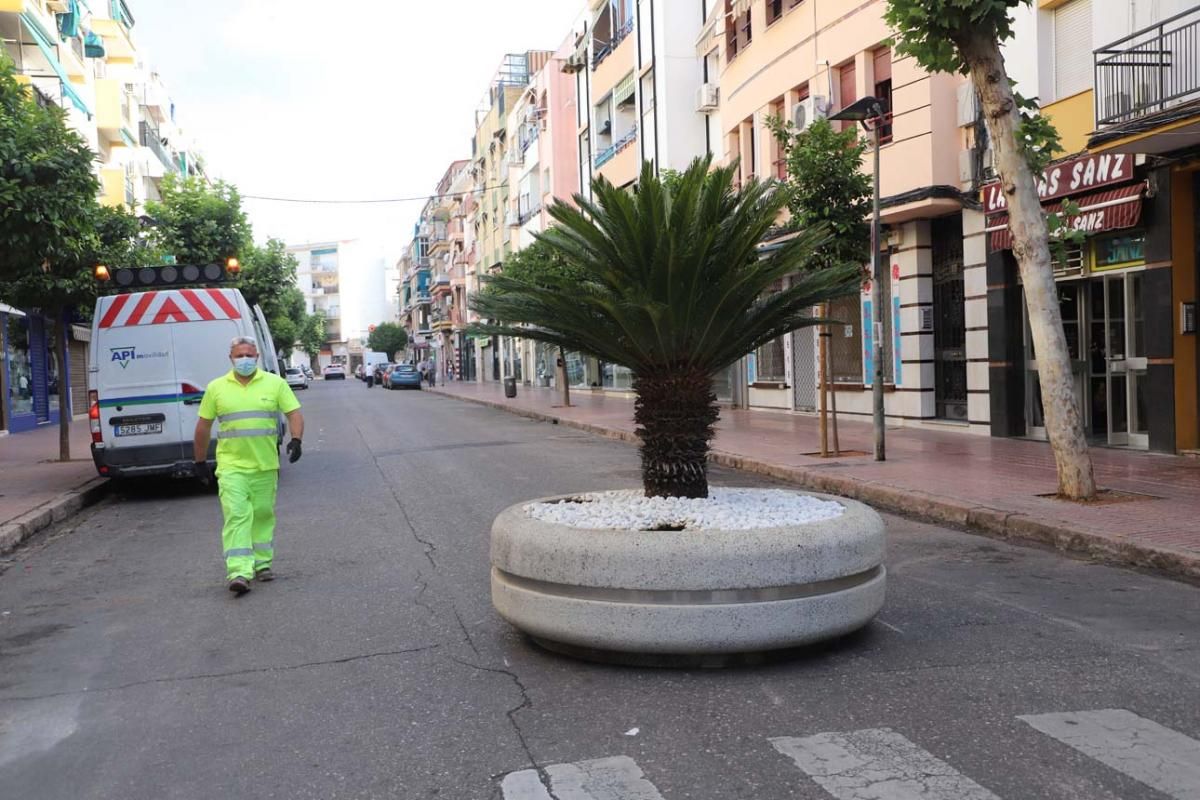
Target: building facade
column 83, row 58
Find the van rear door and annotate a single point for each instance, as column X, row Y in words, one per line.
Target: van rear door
column 136, row 382
column 202, row 350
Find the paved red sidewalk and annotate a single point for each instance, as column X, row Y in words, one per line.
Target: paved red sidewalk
column 990, row 483
column 31, row 477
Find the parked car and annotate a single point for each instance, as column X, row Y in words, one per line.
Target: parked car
column 334, row 372
column 296, row 378
column 402, row 376
column 360, row 373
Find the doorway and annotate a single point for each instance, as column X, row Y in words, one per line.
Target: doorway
column 1105, row 329
column 949, row 320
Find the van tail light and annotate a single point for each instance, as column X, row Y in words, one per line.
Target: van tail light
column 94, row 416
column 188, row 388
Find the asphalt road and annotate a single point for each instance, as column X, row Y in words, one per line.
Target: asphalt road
column 374, row 667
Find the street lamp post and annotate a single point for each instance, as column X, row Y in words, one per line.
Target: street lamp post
column 870, row 110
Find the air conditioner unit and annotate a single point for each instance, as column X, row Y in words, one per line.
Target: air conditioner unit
column 808, row 111
column 707, row 98
column 511, row 219
column 968, row 104
column 575, row 63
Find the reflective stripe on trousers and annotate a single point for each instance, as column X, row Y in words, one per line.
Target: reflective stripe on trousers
column 248, row 505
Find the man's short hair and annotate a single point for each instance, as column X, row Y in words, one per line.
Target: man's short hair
column 239, row 340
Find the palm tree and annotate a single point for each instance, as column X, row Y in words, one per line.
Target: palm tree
column 675, row 288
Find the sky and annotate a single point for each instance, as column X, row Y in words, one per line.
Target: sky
column 313, row 99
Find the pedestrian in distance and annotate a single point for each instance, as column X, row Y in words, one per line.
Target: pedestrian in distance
column 246, row 401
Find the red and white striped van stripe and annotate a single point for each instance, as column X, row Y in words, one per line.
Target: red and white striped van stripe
column 161, row 308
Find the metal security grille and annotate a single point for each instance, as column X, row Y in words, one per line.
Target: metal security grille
column 949, row 319
column 845, row 341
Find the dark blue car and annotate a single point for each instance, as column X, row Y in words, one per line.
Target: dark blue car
column 402, row 376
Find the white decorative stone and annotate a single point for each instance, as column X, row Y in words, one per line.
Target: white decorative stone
column 698, row 591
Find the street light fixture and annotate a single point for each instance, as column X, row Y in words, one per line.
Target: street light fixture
column 869, row 111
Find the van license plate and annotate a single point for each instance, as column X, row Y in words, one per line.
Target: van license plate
column 139, row 430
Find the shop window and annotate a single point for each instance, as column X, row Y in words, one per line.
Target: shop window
column 1116, row 250
column 20, row 366
column 769, row 360
column 845, row 340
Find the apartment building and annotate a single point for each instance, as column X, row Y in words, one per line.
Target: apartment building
column 318, row 276
column 1120, row 82
column 82, row 57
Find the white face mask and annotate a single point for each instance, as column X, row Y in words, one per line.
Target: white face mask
column 245, row 365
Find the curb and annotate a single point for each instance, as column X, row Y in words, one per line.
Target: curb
column 991, row 522
column 66, row 505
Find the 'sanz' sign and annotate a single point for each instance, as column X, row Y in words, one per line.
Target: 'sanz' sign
column 1069, row 177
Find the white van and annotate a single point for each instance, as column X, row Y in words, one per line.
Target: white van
column 151, row 355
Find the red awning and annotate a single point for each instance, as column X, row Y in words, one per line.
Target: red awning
column 1109, row 210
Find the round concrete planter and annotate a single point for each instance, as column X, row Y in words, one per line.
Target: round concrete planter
column 600, row 593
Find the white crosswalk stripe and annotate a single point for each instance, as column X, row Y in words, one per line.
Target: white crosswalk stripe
column 616, row 778
column 877, row 763
column 1159, row 757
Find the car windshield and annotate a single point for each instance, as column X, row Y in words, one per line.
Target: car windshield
column 293, row 371
column 406, row 368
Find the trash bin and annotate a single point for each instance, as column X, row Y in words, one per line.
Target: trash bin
column 510, row 387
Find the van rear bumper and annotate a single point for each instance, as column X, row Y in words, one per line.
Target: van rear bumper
column 174, row 460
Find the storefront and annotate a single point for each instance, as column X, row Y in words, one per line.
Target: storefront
column 30, row 377
column 1112, row 294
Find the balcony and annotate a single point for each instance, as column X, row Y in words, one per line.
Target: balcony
column 608, row 153
column 151, row 140
column 603, row 51
column 115, row 31
column 1147, row 82
column 113, row 111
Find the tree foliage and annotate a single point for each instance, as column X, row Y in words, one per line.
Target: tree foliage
column 198, row 222
column 669, row 282
column 311, row 335
column 828, row 186
column 47, row 185
column 540, row 264
column 389, row 338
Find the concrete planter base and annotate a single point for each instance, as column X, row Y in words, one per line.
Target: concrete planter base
column 710, row 594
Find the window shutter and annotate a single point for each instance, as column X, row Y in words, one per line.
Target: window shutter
column 883, row 64
column 1072, row 48
column 846, row 84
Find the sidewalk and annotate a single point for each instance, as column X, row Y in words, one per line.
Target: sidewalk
column 35, row 489
column 989, row 484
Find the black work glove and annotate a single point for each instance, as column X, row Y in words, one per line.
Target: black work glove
column 204, row 473
column 293, row 450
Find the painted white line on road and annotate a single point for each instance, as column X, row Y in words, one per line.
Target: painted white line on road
column 877, row 763
column 616, row 778
column 1159, row 757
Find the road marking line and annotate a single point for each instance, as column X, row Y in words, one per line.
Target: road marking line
column 1157, row 756
column 876, row 763
column 616, row 778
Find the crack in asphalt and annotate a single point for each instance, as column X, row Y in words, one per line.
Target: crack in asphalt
column 466, row 634
column 232, row 673
column 429, row 547
column 543, row 776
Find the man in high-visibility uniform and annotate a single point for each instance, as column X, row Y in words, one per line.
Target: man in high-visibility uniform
column 246, row 401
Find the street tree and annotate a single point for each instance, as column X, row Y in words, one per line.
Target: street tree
column 671, row 286
column 828, row 186
column 542, row 265
column 268, row 279
column 199, row 223
column 389, row 338
column 48, row 201
column 67, row 286
column 310, row 336
column 965, row 36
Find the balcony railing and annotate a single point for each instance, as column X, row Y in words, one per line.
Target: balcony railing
column 605, row 50
column 150, row 138
column 1149, row 71
column 607, row 154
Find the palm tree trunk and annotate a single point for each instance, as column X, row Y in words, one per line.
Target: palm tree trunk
column 1064, row 425
column 675, row 414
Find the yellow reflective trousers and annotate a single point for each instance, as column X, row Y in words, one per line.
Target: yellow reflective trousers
column 248, row 503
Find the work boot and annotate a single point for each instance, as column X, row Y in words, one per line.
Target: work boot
column 239, row 586
column 265, row 575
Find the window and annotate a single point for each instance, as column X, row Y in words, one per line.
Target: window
column 774, row 10
column 738, row 31
column 753, row 134
column 1072, row 48
column 769, row 362
column 882, row 59
column 846, row 91
column 780, row 156
column 845, row 341
column 1121, row 249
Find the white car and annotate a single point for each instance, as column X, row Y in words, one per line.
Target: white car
column 296, row 378
column 334, row 372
